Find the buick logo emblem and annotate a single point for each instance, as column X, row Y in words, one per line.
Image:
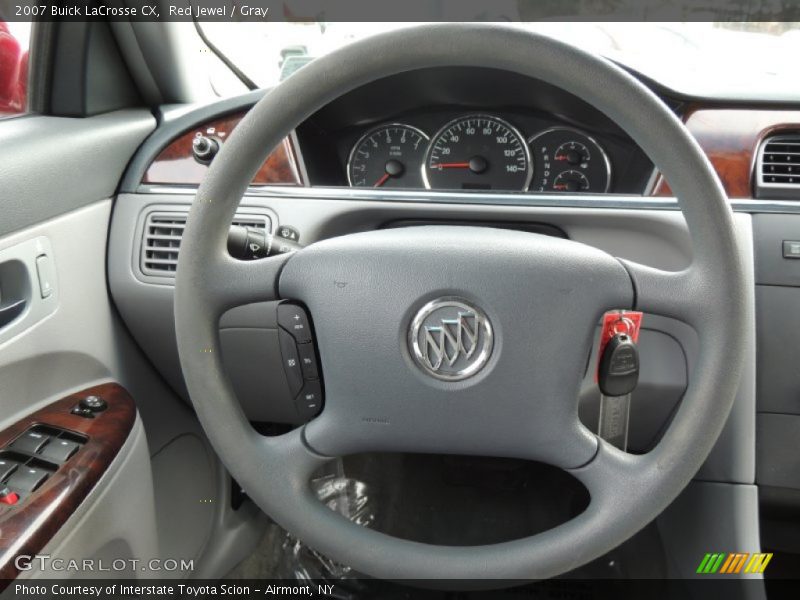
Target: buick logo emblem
column 451, row 339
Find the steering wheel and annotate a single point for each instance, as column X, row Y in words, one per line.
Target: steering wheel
column 540, row 296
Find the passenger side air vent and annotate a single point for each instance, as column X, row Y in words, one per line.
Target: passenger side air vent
column 778, row 168
column 161, row 239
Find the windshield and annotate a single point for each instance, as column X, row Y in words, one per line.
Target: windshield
column 705, row 59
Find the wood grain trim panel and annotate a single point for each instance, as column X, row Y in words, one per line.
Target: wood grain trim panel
column 730, row 138
column 29, row 526
column 175, row 164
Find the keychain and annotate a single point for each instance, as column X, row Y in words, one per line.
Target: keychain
column 617, row 374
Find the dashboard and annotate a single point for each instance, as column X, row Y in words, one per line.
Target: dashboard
column 449, row 129
column 469, row 129
column 462, row 129
column 478, row 152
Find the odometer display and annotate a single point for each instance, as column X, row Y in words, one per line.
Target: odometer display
column 478, row 152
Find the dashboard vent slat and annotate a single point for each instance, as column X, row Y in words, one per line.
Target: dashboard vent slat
column 778, row 167
column 161, row 239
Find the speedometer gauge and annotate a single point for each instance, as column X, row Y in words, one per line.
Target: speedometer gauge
column 567, row 160
column 388, row 156
column 478, row 152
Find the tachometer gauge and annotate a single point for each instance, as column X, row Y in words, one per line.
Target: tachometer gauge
column 567, row 160
column 478, row 152
column 388, row 156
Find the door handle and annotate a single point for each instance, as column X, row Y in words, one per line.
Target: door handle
column 28, row 291
column 11, row 312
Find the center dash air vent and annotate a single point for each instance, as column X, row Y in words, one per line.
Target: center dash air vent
column 161, row 239
column 778, row 167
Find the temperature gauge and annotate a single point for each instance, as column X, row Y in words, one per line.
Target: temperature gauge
column 568, row 160
column 571, row 181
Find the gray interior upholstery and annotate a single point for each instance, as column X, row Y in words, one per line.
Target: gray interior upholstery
column 60, row 150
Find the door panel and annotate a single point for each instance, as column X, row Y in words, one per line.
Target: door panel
column 59, row 177
column 52, row 165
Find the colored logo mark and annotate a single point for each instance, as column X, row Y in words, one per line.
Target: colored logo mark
column 734, row 562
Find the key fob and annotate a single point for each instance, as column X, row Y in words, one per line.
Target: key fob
column 619, row 367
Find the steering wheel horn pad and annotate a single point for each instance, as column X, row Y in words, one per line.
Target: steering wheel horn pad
column 543, row 296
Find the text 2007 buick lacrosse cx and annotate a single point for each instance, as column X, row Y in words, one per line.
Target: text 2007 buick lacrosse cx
column 375, row 309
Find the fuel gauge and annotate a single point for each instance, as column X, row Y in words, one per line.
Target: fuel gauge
column 568, row 160
column 573, row 154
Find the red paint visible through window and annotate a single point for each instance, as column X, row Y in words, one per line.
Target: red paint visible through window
column 13, row 69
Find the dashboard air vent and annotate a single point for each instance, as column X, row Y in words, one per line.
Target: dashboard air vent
column 778, row 167
column 161, row 239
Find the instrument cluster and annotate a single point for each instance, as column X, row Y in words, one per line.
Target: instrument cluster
column 479, row 152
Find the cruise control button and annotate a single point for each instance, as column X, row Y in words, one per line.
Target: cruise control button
column 308, row 360
column 309, row 401
column 59, row 450
column 291, row 362
column 294, row 319
column 27, row 479
column 30, row 441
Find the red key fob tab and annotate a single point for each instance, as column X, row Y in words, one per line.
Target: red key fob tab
column 628, row 322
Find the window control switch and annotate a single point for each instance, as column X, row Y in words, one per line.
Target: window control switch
column 86, row 413
column 30, row 442
column 27, row 479
column 6, row 468
column 59, row 450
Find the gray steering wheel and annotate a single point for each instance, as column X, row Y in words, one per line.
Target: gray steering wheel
column 543, row 296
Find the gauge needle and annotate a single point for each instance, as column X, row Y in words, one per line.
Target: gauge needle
column 384, row 178
column 464, row 165
column 394, row 168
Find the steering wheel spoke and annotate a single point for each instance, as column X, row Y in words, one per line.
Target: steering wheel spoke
column 667, row 293
column 608, row 474
column 295, row 459
column 230, row 282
